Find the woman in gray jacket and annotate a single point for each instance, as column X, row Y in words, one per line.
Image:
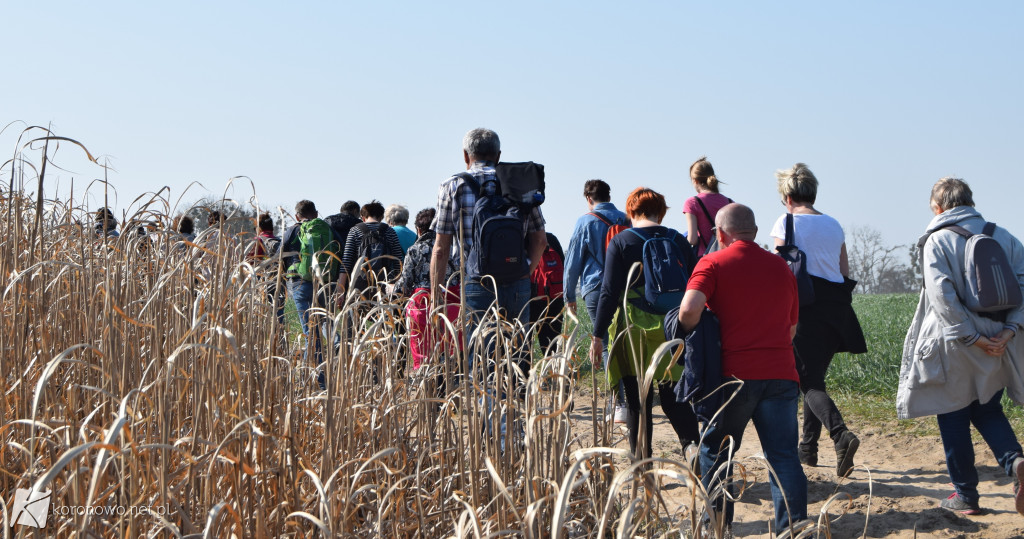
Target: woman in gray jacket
column 956, row 362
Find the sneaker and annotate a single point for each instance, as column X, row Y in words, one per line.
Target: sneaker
column 846, row 448
column 1018, row 478
column 621, row 414
column 808, row 456
column 957, row 504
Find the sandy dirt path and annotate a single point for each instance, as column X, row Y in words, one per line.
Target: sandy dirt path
column 907, row 475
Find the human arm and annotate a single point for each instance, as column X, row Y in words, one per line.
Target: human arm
column 691, row 228
column 574, row 264
column 613, row 283
column 691, row 308
column 439, row 262
column 778, row 232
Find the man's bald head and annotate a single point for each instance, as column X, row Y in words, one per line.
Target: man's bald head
column 737, row 221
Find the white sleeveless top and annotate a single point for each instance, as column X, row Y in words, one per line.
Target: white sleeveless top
column 821, row 238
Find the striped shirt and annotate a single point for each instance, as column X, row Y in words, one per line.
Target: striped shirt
column 391, row 247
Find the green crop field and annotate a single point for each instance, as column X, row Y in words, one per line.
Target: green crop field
column 864, row 385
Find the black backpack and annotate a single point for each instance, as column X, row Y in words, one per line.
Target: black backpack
column 502, row 208
column 372, row 253
column 341, row 223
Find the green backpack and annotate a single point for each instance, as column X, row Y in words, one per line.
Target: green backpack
column 319, row 252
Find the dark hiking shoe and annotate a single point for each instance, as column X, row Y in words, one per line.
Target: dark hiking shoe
column 957, row 504
column 1018, row 478
column 846, row 448
column 808, row 456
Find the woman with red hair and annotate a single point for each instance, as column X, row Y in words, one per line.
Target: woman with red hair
column 631, row 354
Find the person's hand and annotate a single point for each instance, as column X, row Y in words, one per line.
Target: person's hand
column 572, row 307
column 991, row 347
column 596, row 350
column 997, row 344
column 338, row 297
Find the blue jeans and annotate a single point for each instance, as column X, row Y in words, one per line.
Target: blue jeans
column 955, row 429
column 302, row 294
column 590, row 300
column 513, row 300
column 772, row 406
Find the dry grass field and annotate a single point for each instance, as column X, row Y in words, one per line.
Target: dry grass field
column 146, row 384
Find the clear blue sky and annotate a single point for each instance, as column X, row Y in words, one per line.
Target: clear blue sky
column 342, row 100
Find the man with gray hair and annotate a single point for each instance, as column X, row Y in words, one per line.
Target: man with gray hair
column 454, row 225
column 754, row 294
column 456, row 199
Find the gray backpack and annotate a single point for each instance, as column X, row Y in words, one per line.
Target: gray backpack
column 992, row 284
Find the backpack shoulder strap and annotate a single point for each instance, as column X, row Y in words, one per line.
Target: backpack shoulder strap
column 602, row 219
column 705, row 210
column 639, row 235
column 990, row 228
column 959, row 230
column 789, row 229
column 471, row 181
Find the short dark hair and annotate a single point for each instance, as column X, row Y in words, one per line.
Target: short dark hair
column 104, row 214
column 306, row 209
column 597, row 190
column 373, row 209
column 215, row 218
column 350, row 207
column 186, row 225
column 265, row 222
column 424, row 218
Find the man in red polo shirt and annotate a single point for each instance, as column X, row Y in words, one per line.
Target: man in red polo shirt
column 754, row 294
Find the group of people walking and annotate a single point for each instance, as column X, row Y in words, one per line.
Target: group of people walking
column 780, row 320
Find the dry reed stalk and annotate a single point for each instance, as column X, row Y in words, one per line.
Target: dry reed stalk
column 145, row 375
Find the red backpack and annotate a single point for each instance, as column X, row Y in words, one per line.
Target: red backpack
column 613, row 230
column 548, row 275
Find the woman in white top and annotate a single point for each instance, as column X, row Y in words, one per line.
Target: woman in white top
column 826, row 326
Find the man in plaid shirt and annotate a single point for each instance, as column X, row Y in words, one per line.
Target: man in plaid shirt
column 454, row 225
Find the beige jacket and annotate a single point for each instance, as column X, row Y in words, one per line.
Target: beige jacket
column 939, row 372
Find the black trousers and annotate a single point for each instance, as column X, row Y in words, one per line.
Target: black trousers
column 814, row 345
column 680, row 415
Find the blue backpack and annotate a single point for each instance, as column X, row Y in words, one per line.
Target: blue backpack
column 664, row 272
